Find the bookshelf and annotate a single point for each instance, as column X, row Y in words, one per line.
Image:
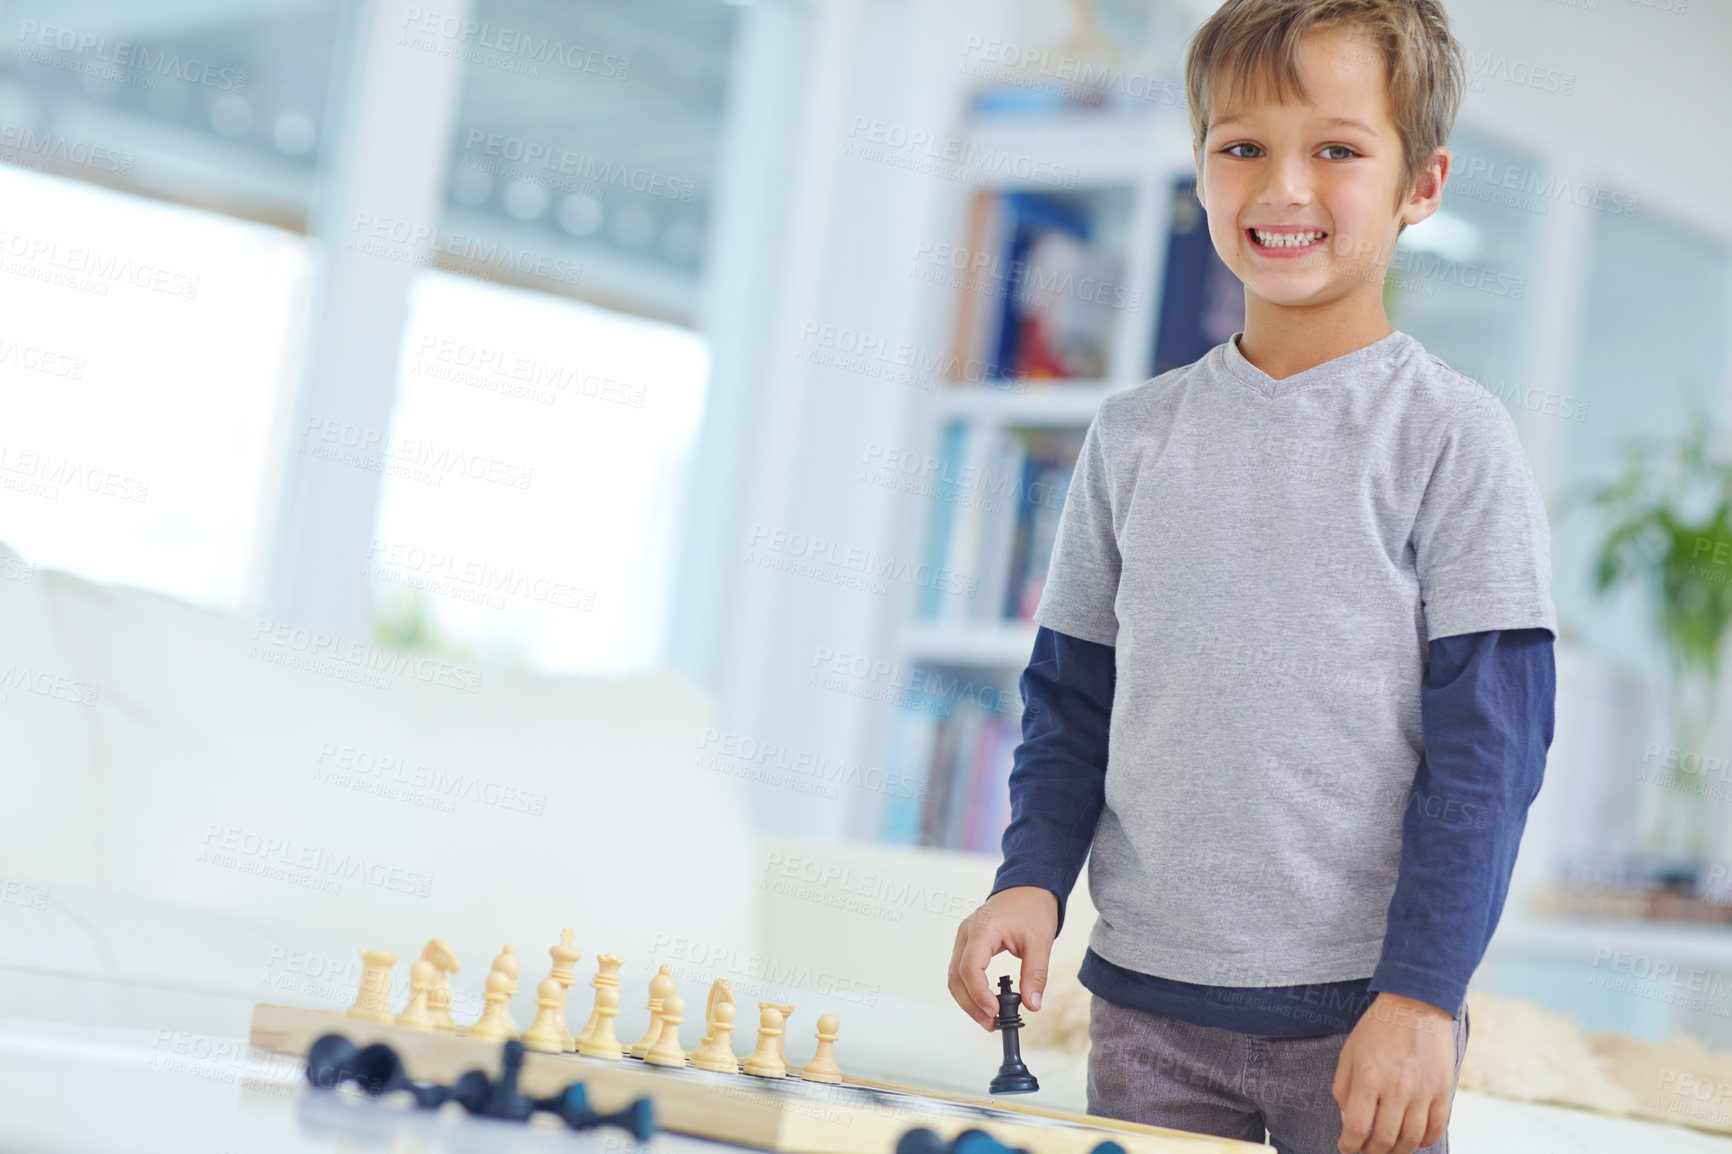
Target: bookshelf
column 1056, row 305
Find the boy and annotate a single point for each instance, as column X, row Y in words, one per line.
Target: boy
column 1301, row 592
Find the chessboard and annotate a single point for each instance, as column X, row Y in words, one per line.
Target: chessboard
column 788, row 1115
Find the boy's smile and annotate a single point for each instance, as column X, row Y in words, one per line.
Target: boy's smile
column 1304, row 200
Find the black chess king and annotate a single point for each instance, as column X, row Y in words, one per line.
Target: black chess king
column 1013, row 1077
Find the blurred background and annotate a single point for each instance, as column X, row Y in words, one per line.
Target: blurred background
column 752, row 344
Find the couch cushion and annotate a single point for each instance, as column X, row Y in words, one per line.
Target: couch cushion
column 48, row 795
column 255, row 770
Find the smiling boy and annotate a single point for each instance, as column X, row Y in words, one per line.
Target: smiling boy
column 1293, row 685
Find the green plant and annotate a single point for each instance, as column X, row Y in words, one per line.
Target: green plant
column 1670, row 535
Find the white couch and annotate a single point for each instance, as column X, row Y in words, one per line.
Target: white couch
column 193, row 820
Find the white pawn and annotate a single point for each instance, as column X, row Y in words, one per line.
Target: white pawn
column 544, row 1034
column 667, row 1051
column 717, row 1052
column 495, row 1022
column 418, row 1015
column 766, row 1060
column 823, row 1067
column 600, row 1041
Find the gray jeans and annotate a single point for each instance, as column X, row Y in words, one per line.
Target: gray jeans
column 1158, row 1070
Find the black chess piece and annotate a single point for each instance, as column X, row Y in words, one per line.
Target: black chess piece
column 330, row 1062
column 504, row 1100
column 921, row 1140
column 1013, row 1077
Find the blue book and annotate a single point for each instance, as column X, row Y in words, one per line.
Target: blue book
column 928, row 600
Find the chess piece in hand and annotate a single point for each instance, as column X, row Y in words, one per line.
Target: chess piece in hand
column 1021, row 919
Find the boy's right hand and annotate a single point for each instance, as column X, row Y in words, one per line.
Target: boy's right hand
column 1021, row 919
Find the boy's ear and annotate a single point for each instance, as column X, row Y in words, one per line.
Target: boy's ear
column 1197, row 163
column 1427, row 192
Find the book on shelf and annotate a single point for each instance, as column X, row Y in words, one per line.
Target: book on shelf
column 1202, row 302
column 1030, row 308
column 997, row 499
column 962, row 751
column 907, row 763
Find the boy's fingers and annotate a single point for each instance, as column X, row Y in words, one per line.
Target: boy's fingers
column 982, row 944
column 1036, row 956
column 956, row 986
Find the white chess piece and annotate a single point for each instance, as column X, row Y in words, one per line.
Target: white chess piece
column 823, row 1067
column 766, row 1060
column 717, row 1053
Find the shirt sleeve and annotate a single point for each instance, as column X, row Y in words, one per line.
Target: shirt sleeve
column 1082, row 579
column 1058, row 771
column 1482, row 546
column 1487, row 711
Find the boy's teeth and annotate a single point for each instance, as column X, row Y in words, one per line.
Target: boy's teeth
column 1286, row 239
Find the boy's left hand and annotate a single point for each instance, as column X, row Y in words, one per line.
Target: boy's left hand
column 1396, row 1077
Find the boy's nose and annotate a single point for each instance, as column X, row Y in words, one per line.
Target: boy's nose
column 1288, row 182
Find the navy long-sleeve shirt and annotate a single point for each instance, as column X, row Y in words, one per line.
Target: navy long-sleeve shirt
column 1486, row 710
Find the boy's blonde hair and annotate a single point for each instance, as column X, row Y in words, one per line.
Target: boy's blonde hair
column 1257, row 43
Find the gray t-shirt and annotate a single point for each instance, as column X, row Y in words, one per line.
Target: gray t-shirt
column 1270, row 559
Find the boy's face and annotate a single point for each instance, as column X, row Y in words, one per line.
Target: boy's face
column 1290, row 168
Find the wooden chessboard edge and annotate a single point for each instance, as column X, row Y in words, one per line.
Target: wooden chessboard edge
column 1056, row 1114
column 291, row 1030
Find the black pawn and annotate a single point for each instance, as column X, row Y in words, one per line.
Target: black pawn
column 920, row 1140
column 1013, row 1077
column 378, row 1070
column 330, row 1062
